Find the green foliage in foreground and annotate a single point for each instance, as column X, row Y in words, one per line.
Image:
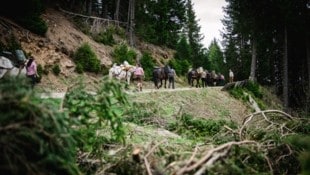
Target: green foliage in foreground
column 98, row 119
column 35, row 138
column 93, row 111
column 302, row 144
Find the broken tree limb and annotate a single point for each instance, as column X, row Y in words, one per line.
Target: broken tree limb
column 147, row 165
column 250, row 117
column 92, row 17
column 212, row 156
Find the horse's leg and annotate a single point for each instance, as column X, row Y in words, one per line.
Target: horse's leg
column 128, row 80
column 2, row 72
column 165, row 83
column 198, row 82
column 156, row 83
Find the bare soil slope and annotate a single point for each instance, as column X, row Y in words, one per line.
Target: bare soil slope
column 61, row 41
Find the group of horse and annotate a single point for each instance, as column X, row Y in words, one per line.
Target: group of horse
column 126, row 71
column 196, row 77
column 204, row 78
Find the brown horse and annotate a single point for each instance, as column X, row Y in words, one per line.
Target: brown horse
column 194, row 74
column 160, row 74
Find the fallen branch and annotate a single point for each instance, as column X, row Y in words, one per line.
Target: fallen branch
column 212, row 156
column 190, row 160
column 147, row 165
column 92, row 17
column 248, row 118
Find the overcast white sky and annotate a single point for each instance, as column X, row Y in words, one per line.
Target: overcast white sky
column 209, row 14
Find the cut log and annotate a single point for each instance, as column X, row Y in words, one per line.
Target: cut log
column 136, row 155
column 235, row 84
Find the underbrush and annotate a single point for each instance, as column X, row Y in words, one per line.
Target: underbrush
column 105, row 133
column 143, row 114
column 198, row 128
column 250, row 89
column 35, row 138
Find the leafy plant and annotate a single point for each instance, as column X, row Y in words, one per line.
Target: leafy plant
column 254, row 89
column 148, row 63
column 142, row 113
column 40, row 70
column 56, row 69
column 98, row 118
column 95, row 112
column 181, row 66
column 35, row 138
column 86, row 59
column 79, row 68
column 105, row 37
column 197, row 128
column 250, row 88
column 122, row 53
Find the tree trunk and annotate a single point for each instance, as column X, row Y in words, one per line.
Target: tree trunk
column 89, row 7
column 104, row 5
column 131, row 13
column 254, row 58
column 117, row 10
column 285, row 72
column 308, row 67
column 72, row 4
column 128, row 16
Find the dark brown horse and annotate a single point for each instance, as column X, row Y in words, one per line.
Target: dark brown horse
column 194, row 75
column 160, row 74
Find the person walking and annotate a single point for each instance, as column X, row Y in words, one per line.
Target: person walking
column 231, row 76
column 171, row 76
column 204, row 78
column 31, row 68
column 139, row 74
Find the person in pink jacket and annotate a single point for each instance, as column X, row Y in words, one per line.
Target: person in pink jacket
column 32, row 73
column 139, row 74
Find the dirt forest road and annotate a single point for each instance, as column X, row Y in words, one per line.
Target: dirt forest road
column 62, row 94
